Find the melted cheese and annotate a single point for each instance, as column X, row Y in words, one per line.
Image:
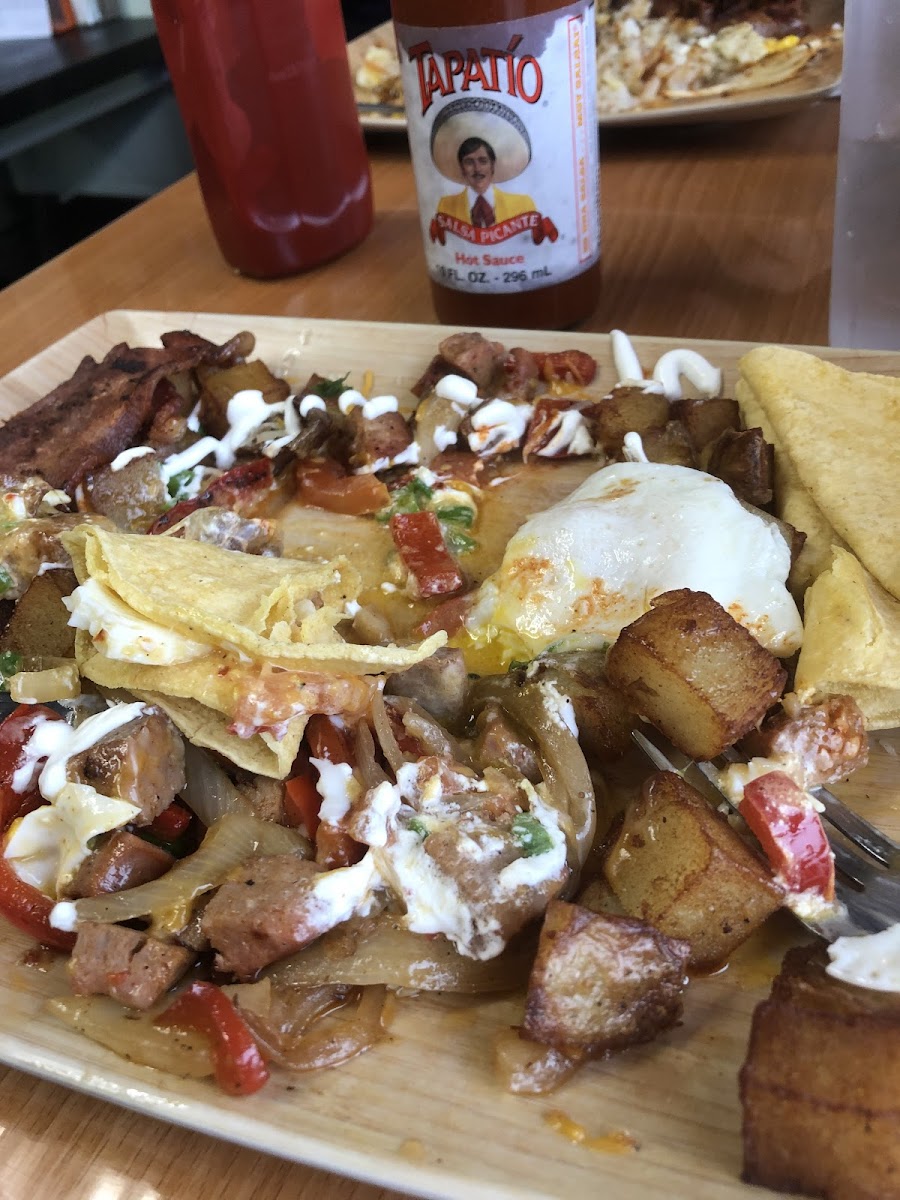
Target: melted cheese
column 872, row 961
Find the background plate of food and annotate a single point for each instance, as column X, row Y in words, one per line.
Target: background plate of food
column 668, row 61
column 423, row 1110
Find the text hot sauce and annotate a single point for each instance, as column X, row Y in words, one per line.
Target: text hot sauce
column 501, row 106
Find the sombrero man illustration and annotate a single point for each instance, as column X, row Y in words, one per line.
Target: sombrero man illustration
column 481, row 143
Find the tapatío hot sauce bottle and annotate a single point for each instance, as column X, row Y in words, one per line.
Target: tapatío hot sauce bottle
column 501, row 108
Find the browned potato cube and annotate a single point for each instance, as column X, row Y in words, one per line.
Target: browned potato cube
column 669, row 445
column 602, row 982
column 695, row 673
column 706, row 418
column 38, row 627
column 627, row 410
column 821, row 1086
column 678, row 864
column 220, row 384
column 746, row 462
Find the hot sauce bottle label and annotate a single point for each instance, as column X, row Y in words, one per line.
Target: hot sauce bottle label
column 503, row 135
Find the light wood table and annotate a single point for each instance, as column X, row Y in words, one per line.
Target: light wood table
column 714, row 232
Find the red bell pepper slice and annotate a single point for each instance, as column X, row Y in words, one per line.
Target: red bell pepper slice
column 420, row 543
column 171, row 823
column 790, row 832
column 301, row 797
column 15, row 731
column 29, row 910
column 334, row 846
column 204, row 1008
column 241, row 489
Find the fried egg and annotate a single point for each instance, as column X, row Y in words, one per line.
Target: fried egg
column 579, row 572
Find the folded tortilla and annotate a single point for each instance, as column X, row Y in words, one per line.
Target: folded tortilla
column 838, row 431
column 253, row 613
column 851, row 641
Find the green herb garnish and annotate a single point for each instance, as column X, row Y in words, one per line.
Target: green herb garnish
column 6, row 581
column 529, row 834
column 10, row 664
column 415, row 825
column 180, row 482
column 327, row 388
column 456, row 514
column 517, row 664
column 412, row 497
column 458, row 542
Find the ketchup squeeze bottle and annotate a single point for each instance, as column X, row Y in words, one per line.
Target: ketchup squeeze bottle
column 501, row 108
column 265, row 94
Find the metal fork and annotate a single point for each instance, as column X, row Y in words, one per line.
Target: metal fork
column 867, row 861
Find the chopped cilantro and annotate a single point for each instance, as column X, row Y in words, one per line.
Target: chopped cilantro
column 412, row 497
column 457, row 541
column 180, row 482
column 518, row 664
column 456, row 514
column 6, row 526
column 530, row 835
column 6, row 581
column 331, row 387
column 415, row 825
column 10, row 664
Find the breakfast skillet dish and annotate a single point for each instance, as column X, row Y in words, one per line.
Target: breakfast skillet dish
column 340, row 708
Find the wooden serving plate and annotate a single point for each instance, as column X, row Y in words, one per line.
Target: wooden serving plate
column 421, row 1112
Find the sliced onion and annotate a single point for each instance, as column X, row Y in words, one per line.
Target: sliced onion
column 369, row 768
column 134, row 1036
column 385, row 952
column 209, row 793
column 168, row 900
column 430, row 734
column 46, row 685
column 529, row 1068
column 567, row 779
column 311, row 1028
column 385, row 734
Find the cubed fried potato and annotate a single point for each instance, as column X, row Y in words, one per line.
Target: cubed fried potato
column 627, row 410
column 820, row 1086
column 218, row 385
column 695, row 673
column 38, row 626
column 669, row 445
column 705, row 418
column 602, row 982
column 746, row 462
column 677, row 863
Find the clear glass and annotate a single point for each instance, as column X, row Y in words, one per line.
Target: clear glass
column 265, row 93
column 865, row 277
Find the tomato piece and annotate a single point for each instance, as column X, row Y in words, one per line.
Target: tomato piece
column 204, row 1008
column 241, row 489
column 420, row 543
column 336, row 848
column 327, row 485
column 301, row 798
column 573, row 366
column 29, row 910
column 327, row 739
column 15, row 731
column 171, row 823
column 790, row 832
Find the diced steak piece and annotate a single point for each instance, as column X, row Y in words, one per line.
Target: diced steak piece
column 602, row 982
column 472, row 355
column 499, row 743
column 136, row 970
column 746, row 462
column 142, row 763
column 829, row 738
column 439, row 684
column 520, row 374
column 265, row 797
column 427, row 381
column 324, row 433
column 461, row 465
column 104, row 408
column 378, row 440
column 267, row 910
column 123, row 861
